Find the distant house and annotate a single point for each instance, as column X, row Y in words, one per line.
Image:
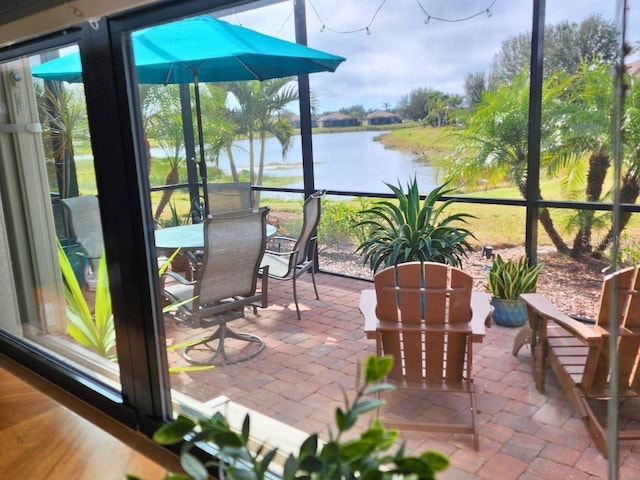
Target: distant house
column 382, row 118
column 337, row 120
column 295, row 120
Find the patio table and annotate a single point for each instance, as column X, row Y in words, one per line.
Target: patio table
column 480, row 318
column 188, row 237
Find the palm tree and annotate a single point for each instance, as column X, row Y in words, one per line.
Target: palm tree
column 630, row 187
column 493, row 147
column 258, row 117
column 164, row 125
column 65, row 118
column 581, row 151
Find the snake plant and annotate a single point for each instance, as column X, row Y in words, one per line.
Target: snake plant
column 509, row 278
column 408, row 229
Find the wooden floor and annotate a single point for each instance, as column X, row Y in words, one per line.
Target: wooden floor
column 42, row 439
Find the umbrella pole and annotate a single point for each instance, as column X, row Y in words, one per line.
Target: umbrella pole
column 202, row 163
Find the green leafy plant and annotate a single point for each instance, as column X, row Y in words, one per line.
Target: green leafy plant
column 94, row 330
column 410, row 230
column 363, row 457
column 337, row 223
column 509, row 278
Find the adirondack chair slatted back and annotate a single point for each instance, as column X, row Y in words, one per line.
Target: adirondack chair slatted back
column 621, row 287
column 415, row 295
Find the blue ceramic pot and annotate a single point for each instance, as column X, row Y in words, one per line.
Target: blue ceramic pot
column 509, row 313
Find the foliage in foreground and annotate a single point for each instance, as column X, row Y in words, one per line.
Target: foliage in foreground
column 364, row 457
column 409, row 230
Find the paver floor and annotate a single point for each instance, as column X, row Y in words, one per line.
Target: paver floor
column 296, row 379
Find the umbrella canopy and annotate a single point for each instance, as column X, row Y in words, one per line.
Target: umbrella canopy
column 213, row 50
column 204, row 49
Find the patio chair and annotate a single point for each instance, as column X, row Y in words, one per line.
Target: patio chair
column 225, row 283
column 423, row 316
column 579, row 353
column 83, row 217
column 287, row 258
column 228, row 197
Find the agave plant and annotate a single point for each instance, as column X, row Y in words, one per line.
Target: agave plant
column 410, row 230
column 509, row 278
column 94, row 330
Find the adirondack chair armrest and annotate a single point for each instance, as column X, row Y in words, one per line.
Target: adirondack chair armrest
column 481, row 309
column 367, row 307
column 543, row 307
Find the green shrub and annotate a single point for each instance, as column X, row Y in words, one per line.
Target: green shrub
column 409, row 230
column 337, row 223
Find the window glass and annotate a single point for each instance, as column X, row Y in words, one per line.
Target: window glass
column 51, row 229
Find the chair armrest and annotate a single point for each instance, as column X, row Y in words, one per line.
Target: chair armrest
column 544, row 308
column 481, row 309
column 367, row 307
column 179, row 278
column 279, row 240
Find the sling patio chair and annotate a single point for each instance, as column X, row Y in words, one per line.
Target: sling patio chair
column 287, row 258
column 229, row 197
column 226, row 281
column 83, row 217
column 579, row 354
column 425, row 318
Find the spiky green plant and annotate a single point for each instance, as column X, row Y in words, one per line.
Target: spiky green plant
column 94, row 330
column 509, row 278
column 409, row 230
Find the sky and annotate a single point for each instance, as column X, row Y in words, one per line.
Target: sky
column 401, row 52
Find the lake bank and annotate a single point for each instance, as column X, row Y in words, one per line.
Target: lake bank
column 424, row 144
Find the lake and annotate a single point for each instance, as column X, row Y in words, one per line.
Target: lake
column 349, row 161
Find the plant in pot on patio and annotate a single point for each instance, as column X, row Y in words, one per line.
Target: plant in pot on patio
column 506, row 281
column 409, row 229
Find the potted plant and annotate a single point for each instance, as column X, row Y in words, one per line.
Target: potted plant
column 410, row 230
column 506, row 281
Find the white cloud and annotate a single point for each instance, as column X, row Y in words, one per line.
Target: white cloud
column 402, row 52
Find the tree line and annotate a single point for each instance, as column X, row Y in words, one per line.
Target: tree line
column 566, row 45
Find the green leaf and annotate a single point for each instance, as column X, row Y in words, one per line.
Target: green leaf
column 309, row 446
column 193, row 466
column 174, row 432
column 246, row 426
column 376, row 368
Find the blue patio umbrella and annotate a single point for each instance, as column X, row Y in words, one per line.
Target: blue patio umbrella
column 204, row 49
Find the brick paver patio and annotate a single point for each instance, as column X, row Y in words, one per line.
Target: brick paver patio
column 296, row 379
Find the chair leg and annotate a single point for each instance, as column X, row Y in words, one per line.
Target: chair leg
column 295, row 297
column 313, row 279
column 522, row 338
column 222, row 333
column 472, row 400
